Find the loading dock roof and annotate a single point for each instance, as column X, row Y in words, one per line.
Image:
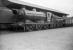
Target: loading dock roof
column 21, row 3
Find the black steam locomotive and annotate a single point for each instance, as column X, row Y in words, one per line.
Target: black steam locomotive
column 15, row 16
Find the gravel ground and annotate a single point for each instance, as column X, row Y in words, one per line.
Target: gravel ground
column 53, row 39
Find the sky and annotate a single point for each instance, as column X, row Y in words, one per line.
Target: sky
column 65, row 6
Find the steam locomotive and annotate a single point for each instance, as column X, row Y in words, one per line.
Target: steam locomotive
column 25, row 18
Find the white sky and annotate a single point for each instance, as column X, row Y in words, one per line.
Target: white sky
column 61, row 5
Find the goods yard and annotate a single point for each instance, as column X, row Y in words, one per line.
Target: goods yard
column 15, row 16
column 26, row 17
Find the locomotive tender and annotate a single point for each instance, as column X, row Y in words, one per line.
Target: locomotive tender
column 25, row 17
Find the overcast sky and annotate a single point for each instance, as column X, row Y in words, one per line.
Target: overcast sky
column 61, row 5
